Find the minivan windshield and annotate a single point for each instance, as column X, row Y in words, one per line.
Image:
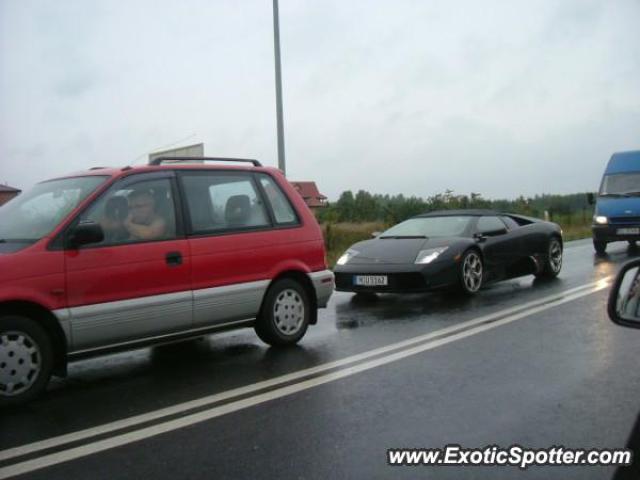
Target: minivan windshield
column 447, row 226
column 621, row 184
column 34, row 214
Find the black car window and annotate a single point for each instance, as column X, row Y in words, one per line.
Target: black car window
column 490, row 225
column 510, row 222
column 445, row 226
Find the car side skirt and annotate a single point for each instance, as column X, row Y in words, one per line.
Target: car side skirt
column 160, row 339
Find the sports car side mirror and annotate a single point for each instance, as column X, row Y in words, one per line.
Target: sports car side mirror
column 376, row 234
column 624, row 299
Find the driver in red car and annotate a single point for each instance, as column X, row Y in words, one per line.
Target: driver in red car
column 143, row 222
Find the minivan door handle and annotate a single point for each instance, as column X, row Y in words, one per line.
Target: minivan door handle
column 174, row 259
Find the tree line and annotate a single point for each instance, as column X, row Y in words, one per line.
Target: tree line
column 367, row 207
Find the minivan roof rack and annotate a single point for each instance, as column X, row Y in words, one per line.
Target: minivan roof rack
column 159, row 160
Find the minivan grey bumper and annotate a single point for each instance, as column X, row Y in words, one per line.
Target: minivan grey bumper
column 324, row 284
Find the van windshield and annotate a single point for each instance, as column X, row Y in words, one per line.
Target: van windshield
column 34, row 214
column 621, row 184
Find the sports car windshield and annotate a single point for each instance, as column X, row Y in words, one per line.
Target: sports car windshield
column 34, row 214
column 621, row 184
column 429, row 227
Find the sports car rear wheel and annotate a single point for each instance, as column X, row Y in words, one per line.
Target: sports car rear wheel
column 471, row 271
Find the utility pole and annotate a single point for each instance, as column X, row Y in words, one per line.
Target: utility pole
column 276, row 48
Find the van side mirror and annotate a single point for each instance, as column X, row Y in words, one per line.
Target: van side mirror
column 590, row 198
column 624, row 299
column 85, row 233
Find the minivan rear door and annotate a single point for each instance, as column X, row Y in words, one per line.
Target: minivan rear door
column 226, row 221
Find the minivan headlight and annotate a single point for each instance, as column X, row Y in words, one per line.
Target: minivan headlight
column 600, row 219
column 346, row 256
column 429, row 255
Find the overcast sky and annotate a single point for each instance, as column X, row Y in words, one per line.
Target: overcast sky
column 498, row 97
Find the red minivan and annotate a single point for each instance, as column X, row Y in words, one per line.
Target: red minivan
column 111, row 259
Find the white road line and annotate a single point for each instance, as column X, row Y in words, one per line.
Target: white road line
column 200, row 402
column 147, row 432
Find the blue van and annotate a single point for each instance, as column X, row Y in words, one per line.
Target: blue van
column 617, row 211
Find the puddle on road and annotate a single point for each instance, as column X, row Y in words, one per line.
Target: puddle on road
column 355, row 311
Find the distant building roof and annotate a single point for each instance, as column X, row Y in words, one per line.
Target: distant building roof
column 7, row 188
column 310, row 193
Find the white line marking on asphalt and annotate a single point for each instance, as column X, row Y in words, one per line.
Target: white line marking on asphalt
column 147, row 432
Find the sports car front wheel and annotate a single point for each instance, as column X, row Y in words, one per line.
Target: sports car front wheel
column 553, row 260
column 471, row 271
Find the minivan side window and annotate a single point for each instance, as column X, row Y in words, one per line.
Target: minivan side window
column 219, row 202
column 282, row 209
column 138, row 212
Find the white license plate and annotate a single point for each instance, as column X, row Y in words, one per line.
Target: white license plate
column 629, row 231
column 371, row 280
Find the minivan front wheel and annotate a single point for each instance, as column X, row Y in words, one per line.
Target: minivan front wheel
column 26, row 359
column 285, row 313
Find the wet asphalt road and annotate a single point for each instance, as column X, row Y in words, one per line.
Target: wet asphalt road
column 562, row 376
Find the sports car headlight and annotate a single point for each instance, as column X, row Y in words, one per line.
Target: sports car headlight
column 346, row 256
column 429, row 255
column 600, row 219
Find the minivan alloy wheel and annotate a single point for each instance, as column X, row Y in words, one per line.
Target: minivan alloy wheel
column 20, row 362
column 288, row 312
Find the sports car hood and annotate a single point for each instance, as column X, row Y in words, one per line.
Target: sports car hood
column 395, row 250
